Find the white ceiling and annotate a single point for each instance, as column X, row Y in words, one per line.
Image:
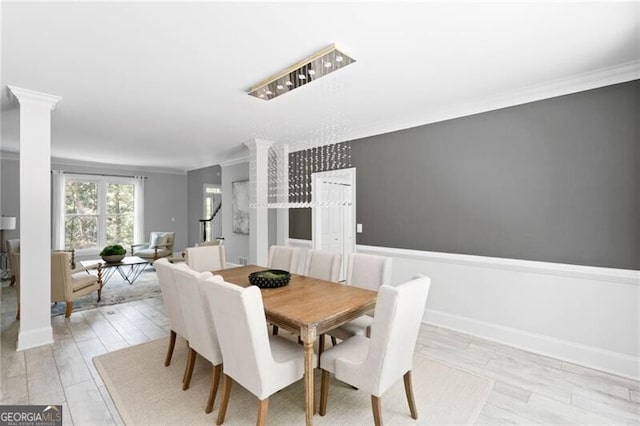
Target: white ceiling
column 164, row 84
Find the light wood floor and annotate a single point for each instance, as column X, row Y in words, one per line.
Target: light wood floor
column 528, row 388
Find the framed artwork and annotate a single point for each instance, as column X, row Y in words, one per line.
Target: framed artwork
column 240, row 208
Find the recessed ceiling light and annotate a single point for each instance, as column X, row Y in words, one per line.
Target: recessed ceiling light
column 317, row 65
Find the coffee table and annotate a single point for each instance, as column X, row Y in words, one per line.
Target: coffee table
column 129, row 268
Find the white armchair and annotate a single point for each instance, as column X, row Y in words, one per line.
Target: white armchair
column 160, row 244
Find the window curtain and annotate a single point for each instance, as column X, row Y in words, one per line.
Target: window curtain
column 138, row 223
column 57, row 209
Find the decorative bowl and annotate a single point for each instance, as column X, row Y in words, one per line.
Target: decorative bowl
column 113, row 258
column 270, row 278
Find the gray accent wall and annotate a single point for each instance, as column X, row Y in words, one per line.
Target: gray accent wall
column 555, row 180
column 165, row 197
column 196, row 179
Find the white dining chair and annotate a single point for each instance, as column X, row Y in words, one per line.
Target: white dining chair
column 366, row 271
column 285, row 258
column 203, row 339
column 167, row 283
column 205, row 258
column 375, row 364
column 260, row 363
column 323, row 265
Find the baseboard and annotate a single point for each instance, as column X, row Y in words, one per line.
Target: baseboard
column 33, row 338
column 588, row 356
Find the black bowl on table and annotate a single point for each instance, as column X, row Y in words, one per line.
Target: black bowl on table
column 270, row 278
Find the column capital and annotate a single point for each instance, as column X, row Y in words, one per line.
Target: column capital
column 23, row 95
column 255, row 143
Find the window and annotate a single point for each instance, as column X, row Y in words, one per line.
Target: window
column 99, row 211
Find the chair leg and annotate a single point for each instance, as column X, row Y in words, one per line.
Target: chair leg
column 67, row 312
column 333, row 341
column 377, row 411
column 172, row 345
column 226, row 391
column 408, row 389
column 320, row 347
column 13, row 281
column 324, row 392
column 263, row 408
column 275, row 330
column 215, row 379
column 191, row 362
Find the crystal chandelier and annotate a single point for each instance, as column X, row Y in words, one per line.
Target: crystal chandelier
column 296, row 153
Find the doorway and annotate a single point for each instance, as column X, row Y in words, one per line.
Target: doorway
column 333, row 215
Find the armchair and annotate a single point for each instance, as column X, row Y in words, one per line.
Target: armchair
column 160, row 245
column 67, row 284
column 13, row 247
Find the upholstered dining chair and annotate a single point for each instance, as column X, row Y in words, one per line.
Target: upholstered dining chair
column 365, row 271
column 13, row 247
column 260, row 363
column 201, row 331
column 205, row 258
column 369, row 272
column 160, row 244
column 283, row 257
column 171, row 299
column 374, row 364
column 323, row 265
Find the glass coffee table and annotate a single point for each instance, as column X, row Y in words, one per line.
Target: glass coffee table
column 129, row 268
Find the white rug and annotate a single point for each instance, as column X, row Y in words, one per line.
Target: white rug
column 116, row 291
column 146, row 392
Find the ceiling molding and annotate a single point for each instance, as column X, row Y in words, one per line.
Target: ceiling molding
column 15, row 156
column 234, row 161
column 146, row 169
column 622, row 73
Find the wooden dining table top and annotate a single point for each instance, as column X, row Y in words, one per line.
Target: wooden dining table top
column 307, row 302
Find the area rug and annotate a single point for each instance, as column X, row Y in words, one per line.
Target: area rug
column 147, row 393
column 116, row 291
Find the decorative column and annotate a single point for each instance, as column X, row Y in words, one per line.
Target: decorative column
column 35, row 217
column 258, row 213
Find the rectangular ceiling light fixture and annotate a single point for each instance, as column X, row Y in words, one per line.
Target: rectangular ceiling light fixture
column 312, row 68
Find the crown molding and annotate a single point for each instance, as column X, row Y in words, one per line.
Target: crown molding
column 577, row 83
column 15, row 156
column 123, row 167
column 234, row 161
column 31, row 95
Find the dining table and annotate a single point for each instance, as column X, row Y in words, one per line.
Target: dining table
column 308, row 307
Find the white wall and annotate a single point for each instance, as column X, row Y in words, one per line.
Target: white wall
column 236, row 245
column 585, row 315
